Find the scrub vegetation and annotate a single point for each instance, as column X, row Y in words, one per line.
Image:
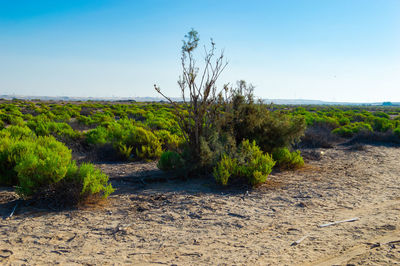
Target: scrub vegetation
column 227, row 133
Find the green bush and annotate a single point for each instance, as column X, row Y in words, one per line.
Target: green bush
column 17, row 132
column 396, row 132
column 351, row 129
column 91, row 181
column 245, row 119
column 224, row 169
column 381, row 114
column 34, row 164
column 286, row 159
column 145, row 144
column 249, row 163
column 170, row 160
column 99, row 135
column 45, row 162
column 169, row 141
column 132, row 141
column 380, row 124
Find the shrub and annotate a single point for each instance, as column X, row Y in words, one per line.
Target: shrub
column 169, row 141
column 15, row 141
column 45, row 162
column 396, row 132
column 380, row 124
column 318, row 137
column 249, row 163
column 34, row 164
column 381, row 114
column 351, row 129
column 246, row 119
column 170, row 160
column 99, row 135
column 132, row 142
column 145, row 144
column 17, row 132
column 126, row 152
column 224, row 169
column 280, row 130
column 42, row 126
column 286, row 159
column 92, row 181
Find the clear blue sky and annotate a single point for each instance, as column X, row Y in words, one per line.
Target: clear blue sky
column 337, row 50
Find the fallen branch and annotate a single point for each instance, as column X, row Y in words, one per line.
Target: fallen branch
column 295, row 243
column 237, row 215
column 15, row 207
column 393, row 242
column 339, row 222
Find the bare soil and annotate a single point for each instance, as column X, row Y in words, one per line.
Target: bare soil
column 155, row 219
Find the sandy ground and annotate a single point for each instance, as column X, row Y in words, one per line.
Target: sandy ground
column 197, row 223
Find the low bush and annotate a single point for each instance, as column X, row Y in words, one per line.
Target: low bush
column 350, row 130
column 245, row 119
column 143, row 142
column 225, row 168
column 286, row 159
column 169, row 141
column 318, row 137
column 97, row 136
column 170, row 160
column 396, row 132
column 34, row 164
column 249, row 163
column 42, row 126
column 43, row 162
column 375, row 138
column 90, row 180
column 130, row 140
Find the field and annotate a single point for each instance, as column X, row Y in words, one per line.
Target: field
column 157, row 217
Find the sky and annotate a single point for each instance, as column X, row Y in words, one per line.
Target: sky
column 336, row 50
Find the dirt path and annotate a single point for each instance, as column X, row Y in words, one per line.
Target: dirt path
column 197, row 223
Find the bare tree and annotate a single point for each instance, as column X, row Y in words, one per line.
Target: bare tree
column 200, row 87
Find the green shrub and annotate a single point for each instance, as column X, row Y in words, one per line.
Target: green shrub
column 381, row 114
column 351, row 129
column 126, row 152
column 133, row 142
column 99, row 135
column 286, row 159
column 380, row 124
column 170, row 160
column 42, row 126
column 34, row 164
column 91, row 180
column 45, row 162
column 17, row 120
column 145, row 144
column 246, row 119
column 17, row 132
column 396, row 132
column 169, row 141
column 249, row 163
column 224, row 169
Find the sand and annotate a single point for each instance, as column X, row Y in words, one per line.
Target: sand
column 196, row 222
